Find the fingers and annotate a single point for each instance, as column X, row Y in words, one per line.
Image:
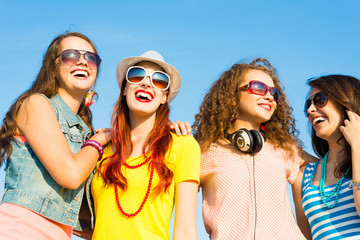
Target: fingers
column 350, row 115
column 176, row 128
column 351, row 128
column 342, row 128
column 188, row 127
column 98, row 130
column 102, row 135
column 353, row 118
column 185, row 128
column 181, row 128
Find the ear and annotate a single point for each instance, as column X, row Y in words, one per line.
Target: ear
column 164, row 98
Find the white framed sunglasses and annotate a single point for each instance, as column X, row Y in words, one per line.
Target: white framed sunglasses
column 158, row 79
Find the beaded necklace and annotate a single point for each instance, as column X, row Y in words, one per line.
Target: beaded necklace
column 335, row 191
column 147, row 192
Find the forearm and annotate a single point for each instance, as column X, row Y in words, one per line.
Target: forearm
column 300, row 215
column 356, row 177
column 185, row 211
column 189, row 233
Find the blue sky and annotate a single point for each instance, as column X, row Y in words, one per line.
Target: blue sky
column 302, row 39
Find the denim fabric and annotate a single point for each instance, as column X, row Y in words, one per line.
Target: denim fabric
column 29, row 184
column 86, row 221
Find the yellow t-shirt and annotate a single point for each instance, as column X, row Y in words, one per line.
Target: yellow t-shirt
column 153, row 221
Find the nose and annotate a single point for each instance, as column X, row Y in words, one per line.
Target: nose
column 312, row 108
column 268, row 96
column 147, row 82
column 82, row 60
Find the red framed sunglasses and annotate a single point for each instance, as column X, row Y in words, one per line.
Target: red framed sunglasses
column 260, row 88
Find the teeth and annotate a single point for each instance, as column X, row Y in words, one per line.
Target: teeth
column 79, row 72
column 143, row 95
column 266, row 106
column 318, row 120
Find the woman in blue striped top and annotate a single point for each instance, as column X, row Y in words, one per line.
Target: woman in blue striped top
column 327, row 192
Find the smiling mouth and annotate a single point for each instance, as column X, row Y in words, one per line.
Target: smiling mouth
column 267, row 107
column 143, row 96
column 318, row 120
column 79, row 73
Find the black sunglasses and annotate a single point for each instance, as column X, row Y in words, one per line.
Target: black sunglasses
column 320, row 100
column 71, row 56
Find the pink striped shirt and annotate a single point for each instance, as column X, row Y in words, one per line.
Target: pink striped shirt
column 231, row 210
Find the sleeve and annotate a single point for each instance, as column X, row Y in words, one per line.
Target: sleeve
column 206, row 167
column 292, row 165
column 187, row 162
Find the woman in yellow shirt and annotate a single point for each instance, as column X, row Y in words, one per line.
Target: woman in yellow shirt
column 146, row 169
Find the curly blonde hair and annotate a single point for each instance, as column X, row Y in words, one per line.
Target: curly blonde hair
column 222, row 101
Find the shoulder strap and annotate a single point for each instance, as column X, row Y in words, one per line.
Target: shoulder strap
column 308, row 176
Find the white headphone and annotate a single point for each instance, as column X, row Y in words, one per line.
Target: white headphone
column 246, row 140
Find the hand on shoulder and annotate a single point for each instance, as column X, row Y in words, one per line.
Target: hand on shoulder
column 307, row 158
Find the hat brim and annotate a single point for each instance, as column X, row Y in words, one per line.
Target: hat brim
column 175, row 80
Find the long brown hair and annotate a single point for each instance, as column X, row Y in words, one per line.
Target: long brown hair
column 158, row 143
column 222, row 101
column 345, row 90
column 45, row 83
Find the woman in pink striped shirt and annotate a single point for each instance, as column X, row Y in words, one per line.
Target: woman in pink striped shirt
column 249, row 152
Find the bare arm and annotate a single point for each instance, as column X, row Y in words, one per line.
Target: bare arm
column 36, row 120
column 306, row 158
column 351, row 132
column 185, row 211
column 300, row 215
column 356, row 176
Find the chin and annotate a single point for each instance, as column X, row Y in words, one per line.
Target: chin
column 262, row 119
column 322, row 135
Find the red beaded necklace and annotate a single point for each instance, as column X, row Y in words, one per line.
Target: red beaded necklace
column 147, row 192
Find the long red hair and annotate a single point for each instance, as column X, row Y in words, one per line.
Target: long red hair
column 158, row 143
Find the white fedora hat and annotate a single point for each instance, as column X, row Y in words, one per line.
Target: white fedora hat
column 155, row 57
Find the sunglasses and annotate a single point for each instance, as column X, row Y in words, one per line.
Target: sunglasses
column 320, row 100
column 71, row 56
column 158, row 79
column 259, row 88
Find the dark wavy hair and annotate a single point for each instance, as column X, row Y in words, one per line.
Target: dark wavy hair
column 158, row 143
column 45, row 83
column 344, row 90
column 223, row 99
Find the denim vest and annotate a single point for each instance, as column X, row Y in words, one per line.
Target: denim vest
column 86, row 221
column 29, row 184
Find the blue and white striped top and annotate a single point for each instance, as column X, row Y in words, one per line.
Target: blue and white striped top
column 340, row 222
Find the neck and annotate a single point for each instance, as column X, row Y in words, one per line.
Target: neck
column 140, row 128
column 243, row 124
column 334, row 149
column 73, row 101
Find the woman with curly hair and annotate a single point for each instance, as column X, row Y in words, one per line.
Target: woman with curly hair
column 250, row 150
column 327, row 192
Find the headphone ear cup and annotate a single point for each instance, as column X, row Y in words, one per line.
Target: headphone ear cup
column 258, row 141
column 243, row 140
